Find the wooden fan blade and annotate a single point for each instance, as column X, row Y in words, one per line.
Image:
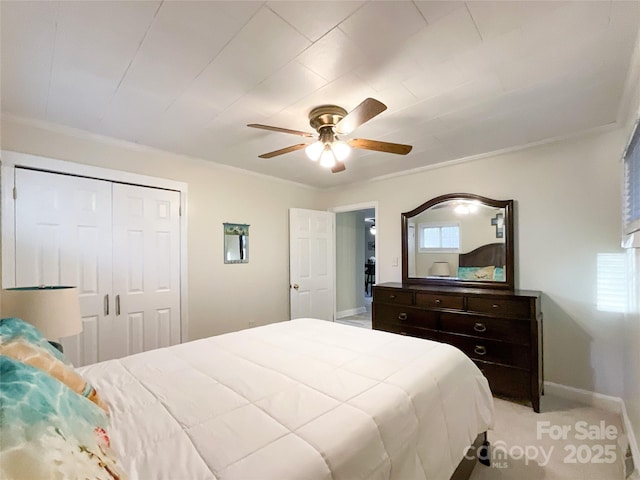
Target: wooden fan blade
column 282, row 151
column 364, row 112
column 282, row 130
column 380, row 146
column 338, row 167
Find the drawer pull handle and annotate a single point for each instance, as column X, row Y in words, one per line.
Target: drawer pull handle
column 480, row 350
column 402, row 316
column 495, row 305
column 391, row 297
column 438, row 301
column 480, row 327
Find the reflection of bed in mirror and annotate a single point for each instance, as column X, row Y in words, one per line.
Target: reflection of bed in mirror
column 486, row 262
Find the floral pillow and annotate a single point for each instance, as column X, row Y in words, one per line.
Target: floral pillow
column 23, row 342
column 49, row 431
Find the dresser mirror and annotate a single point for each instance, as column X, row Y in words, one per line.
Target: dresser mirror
column 459, row 239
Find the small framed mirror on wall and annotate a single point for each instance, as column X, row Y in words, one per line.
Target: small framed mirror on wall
column 459, row 239
column 236, row 243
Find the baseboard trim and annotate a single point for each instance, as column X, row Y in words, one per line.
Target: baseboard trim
column 350, row 312
column 604, row 402
column 593, row 399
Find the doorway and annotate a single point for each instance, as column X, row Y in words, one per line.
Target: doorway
column 355, row 263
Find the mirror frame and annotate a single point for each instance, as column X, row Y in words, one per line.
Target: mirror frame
column 509, row 282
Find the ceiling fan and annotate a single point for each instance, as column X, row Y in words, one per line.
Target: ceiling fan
column 329, row 121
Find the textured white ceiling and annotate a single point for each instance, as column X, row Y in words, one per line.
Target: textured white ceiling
column 459, row 78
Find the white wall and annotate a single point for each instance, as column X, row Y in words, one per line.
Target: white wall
column 222, row 298
column 567, row 209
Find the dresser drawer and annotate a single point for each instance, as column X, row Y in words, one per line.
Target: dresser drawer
column 512, row 307
column 403, row 315
column 490, row 350
column 392, row 296
column 418, row 332
column 504, row 329
column 506, row 381
column 435, row 300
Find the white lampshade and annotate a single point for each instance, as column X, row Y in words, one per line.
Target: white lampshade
column 440, row 269
column 54, row 311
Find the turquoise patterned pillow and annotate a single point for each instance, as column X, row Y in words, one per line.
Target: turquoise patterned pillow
column 49, row 431
column 23, row 342
column 12, row 329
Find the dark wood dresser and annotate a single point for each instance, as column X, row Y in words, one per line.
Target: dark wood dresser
column 500, row 330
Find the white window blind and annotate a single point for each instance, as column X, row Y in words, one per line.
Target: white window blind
column 612, row 282
column 631, row 198
column 443, row 237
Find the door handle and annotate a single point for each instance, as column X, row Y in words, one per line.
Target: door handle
column 117, row 305
column 296, row 286
column 106, row 305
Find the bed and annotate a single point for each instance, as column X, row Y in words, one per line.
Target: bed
column 486, row 262
column 301, row 399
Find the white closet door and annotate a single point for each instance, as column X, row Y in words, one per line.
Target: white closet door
column 63, row 237
column 146, row 244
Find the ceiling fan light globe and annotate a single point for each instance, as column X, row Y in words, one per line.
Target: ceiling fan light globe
column 314, row 151
column 327, row 159
column 341, row 150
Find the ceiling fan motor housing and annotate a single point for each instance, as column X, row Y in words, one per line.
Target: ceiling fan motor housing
column 326, row 116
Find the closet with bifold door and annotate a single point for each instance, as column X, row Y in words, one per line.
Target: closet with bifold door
column 118, row 243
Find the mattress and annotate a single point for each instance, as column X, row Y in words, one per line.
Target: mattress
column 301, row 399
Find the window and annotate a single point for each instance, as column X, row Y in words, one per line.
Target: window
column 612, row 282
column 631, row 196
column 441, row 237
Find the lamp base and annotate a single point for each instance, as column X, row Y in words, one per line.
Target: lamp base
column 57, row 345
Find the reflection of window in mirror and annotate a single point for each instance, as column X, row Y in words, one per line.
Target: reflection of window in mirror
column 439, row 237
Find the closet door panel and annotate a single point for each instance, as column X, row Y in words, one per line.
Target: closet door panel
column 63, row 237
column 147, row 266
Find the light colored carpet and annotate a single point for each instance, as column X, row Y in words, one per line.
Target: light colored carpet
column 522, row 441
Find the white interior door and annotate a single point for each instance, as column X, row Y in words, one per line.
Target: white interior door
column 63, row 237
column 146, row 239
column 311, row 272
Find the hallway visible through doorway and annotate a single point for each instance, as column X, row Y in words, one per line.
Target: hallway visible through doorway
column 362, row 320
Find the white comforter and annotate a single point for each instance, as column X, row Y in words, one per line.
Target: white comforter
column 302, row 399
